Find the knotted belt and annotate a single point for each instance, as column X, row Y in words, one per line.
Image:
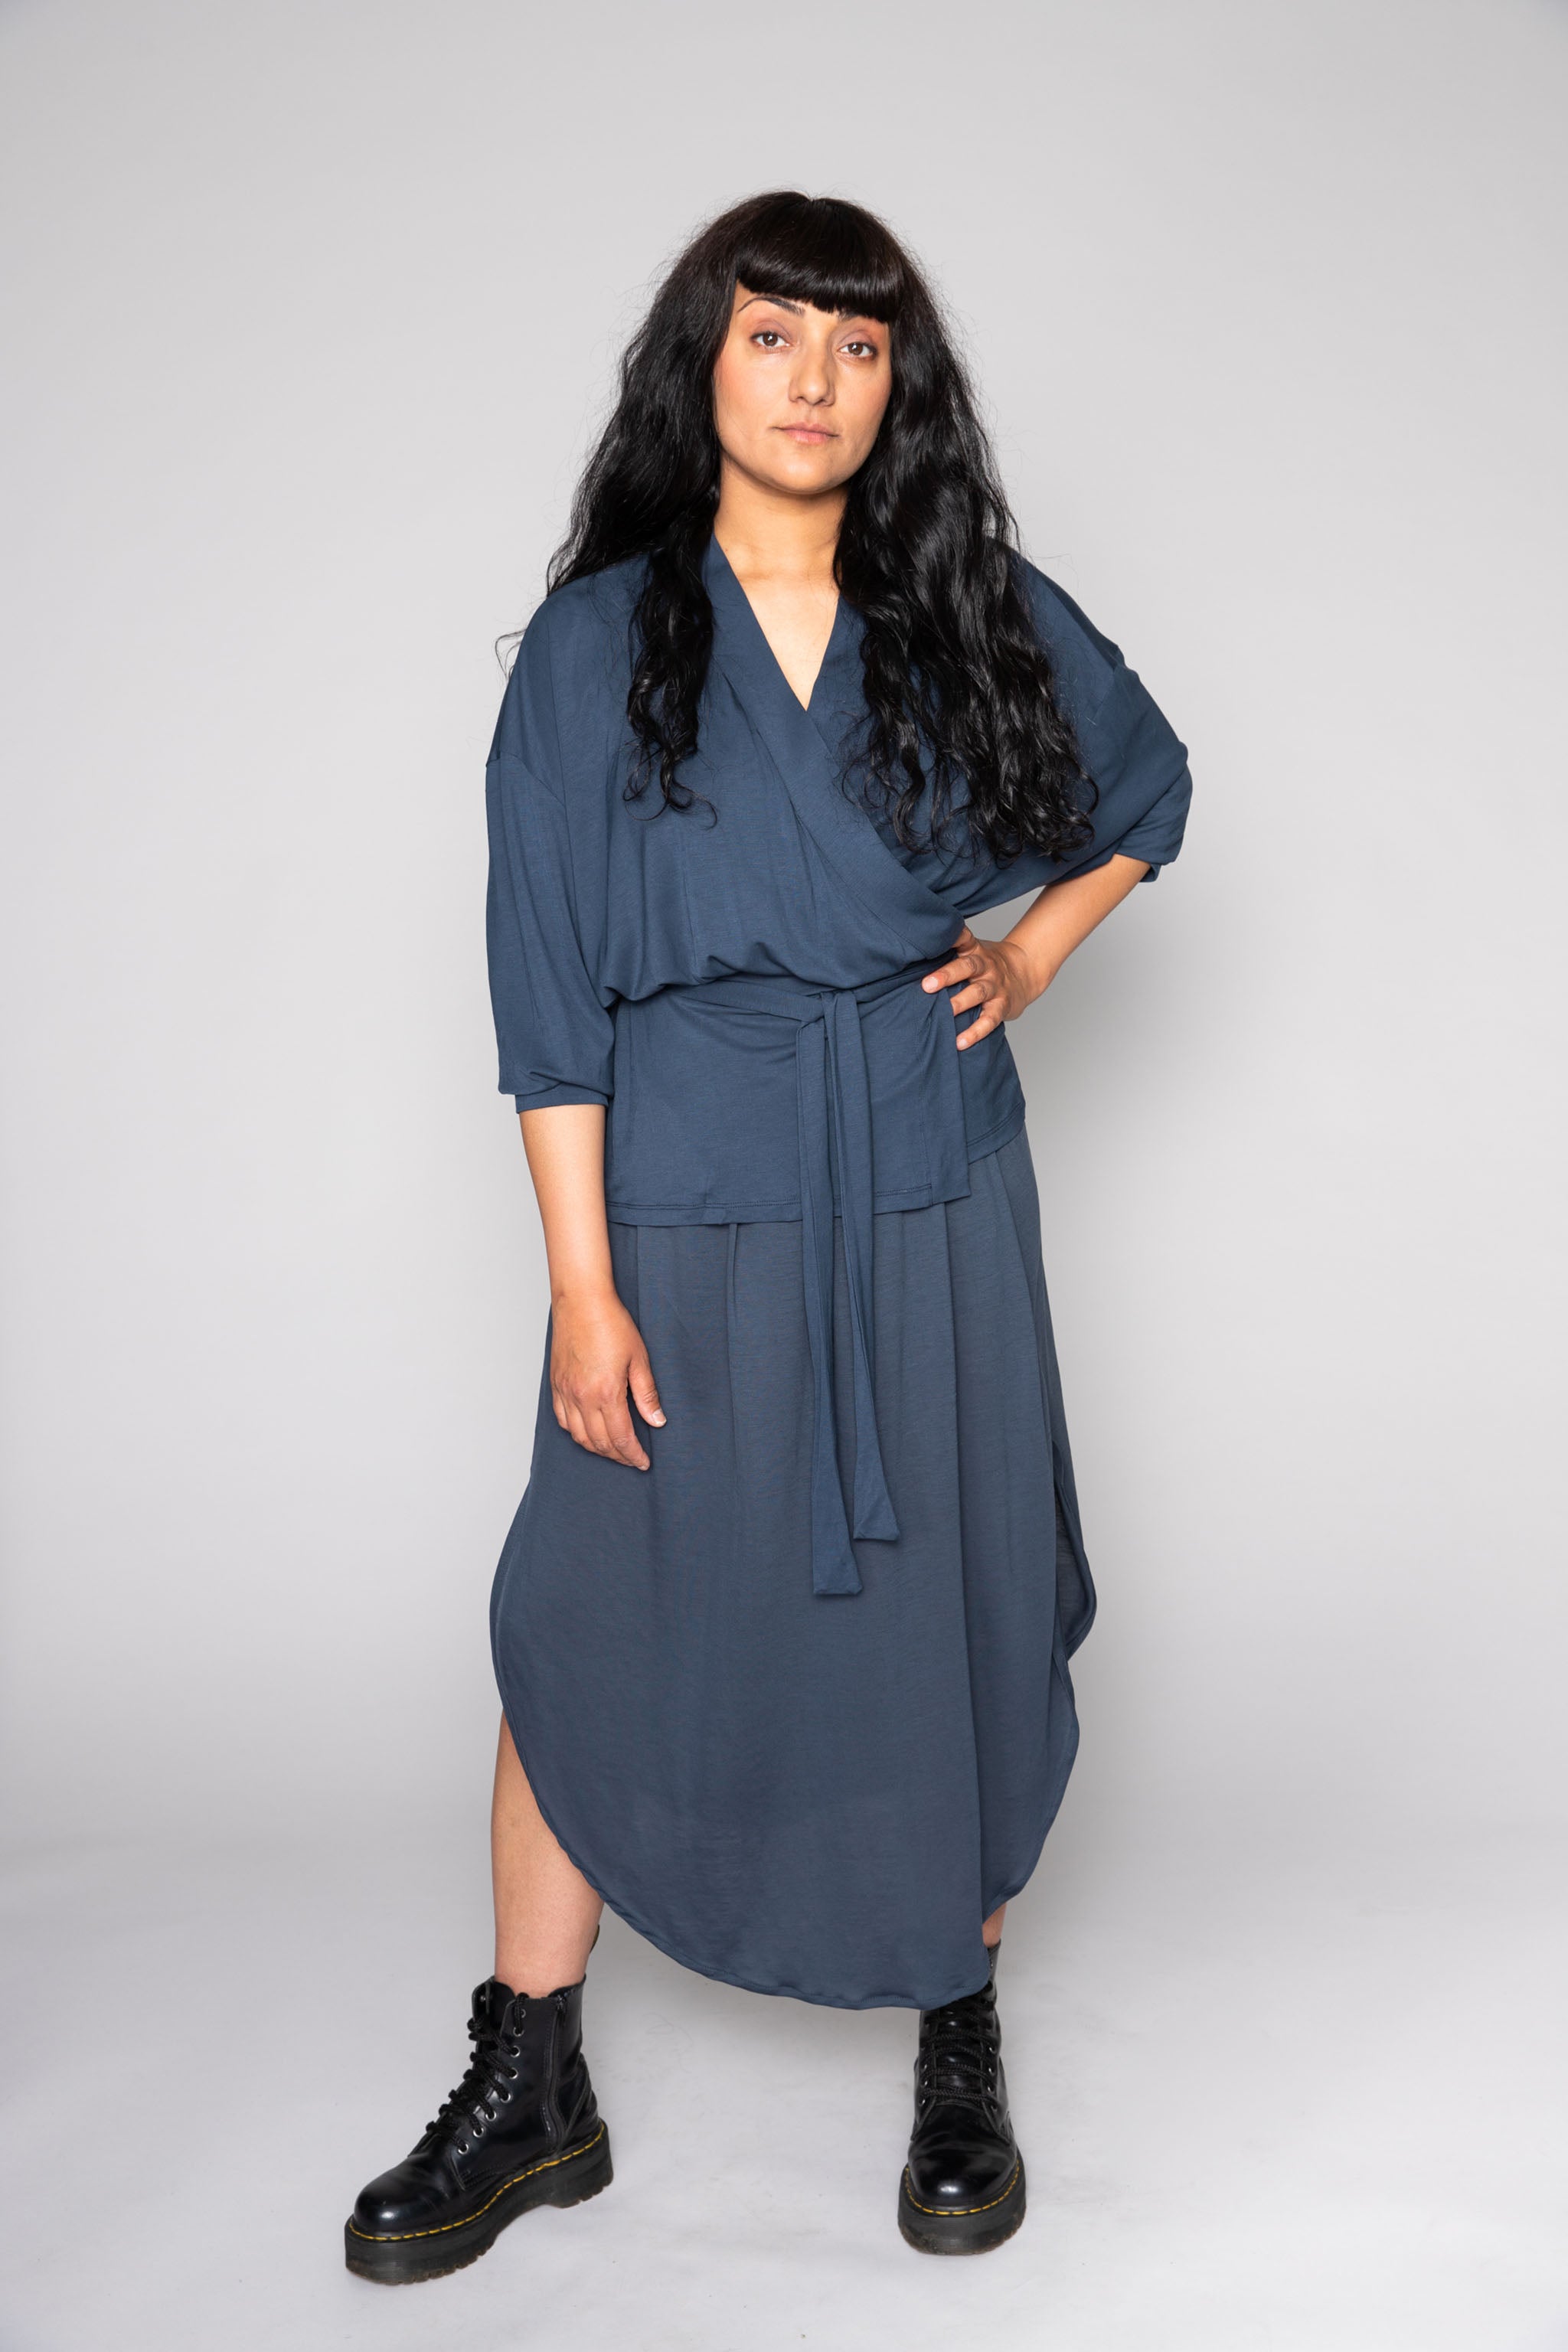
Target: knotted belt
column 834, row 1103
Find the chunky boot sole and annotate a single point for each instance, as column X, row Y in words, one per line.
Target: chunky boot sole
column 963, row 2228
column 569, row 2179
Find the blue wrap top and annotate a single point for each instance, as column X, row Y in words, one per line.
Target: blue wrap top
column 738, row 981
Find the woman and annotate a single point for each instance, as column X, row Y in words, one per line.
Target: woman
column 782, row 1626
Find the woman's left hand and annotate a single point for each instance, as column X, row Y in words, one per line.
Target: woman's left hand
column 995, row 974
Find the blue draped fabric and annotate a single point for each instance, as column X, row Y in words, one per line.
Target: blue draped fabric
column 739, row 984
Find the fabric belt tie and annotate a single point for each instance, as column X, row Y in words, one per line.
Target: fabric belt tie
column 833, row 1106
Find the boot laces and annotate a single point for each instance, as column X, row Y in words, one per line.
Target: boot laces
column 471, row 2106
column 958, row 2052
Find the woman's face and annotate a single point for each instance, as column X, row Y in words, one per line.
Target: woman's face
column 798, row 394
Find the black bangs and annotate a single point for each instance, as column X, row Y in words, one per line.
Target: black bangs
column 821, row 250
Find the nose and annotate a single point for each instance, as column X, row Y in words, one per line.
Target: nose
column 814, row 380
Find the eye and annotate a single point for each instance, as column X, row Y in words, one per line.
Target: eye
column 859, row 348
column 769, row 337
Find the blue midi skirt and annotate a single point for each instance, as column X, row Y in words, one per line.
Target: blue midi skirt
column 816, row 1794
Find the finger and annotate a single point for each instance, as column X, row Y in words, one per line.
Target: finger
column 588, row 1430
column 645, row 1396
column 954, row 964
column 975, row 994
column 980, row 1027
column 961, row 967
column 620, row 1440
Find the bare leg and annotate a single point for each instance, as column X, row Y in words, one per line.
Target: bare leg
column 546, row 1911
column 992, row 1930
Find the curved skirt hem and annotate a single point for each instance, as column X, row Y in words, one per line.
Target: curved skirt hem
column 662, row 1943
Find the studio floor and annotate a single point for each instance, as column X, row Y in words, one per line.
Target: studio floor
column 1311, row 2104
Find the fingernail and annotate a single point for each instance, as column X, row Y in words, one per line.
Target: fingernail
column 657, row 1419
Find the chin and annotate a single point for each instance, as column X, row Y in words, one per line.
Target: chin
column 810, row 471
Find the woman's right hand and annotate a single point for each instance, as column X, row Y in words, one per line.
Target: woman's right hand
column 596, row 1354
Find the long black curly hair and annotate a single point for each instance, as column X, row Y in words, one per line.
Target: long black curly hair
column 958, row 688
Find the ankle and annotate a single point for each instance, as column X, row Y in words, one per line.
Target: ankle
column 535, row 1978
column 535, row 1968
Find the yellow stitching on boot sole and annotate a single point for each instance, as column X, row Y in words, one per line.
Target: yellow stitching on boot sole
column 396, row 2237
column 915, row 2201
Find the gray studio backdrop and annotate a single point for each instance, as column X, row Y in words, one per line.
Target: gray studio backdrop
column 310, row 311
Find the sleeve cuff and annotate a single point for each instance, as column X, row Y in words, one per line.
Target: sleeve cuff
column 548, row 1097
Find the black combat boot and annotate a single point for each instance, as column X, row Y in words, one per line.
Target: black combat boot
column 963, row 2189
column 521, row 2129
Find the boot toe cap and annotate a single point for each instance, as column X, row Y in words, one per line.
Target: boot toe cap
column 955, row 2176
column 397, row 2203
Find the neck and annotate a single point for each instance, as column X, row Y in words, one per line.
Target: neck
column 767, row 534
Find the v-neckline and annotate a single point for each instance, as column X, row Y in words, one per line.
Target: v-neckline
column 913, row 917
column 829, row 645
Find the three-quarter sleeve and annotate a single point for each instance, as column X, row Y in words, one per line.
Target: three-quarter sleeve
column 1141, row 775
column 1131, row 753
column 1137, row 763
column 554, row 1023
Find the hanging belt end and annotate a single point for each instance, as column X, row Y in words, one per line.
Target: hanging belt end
column 836, row 1574
column 876, row 1523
